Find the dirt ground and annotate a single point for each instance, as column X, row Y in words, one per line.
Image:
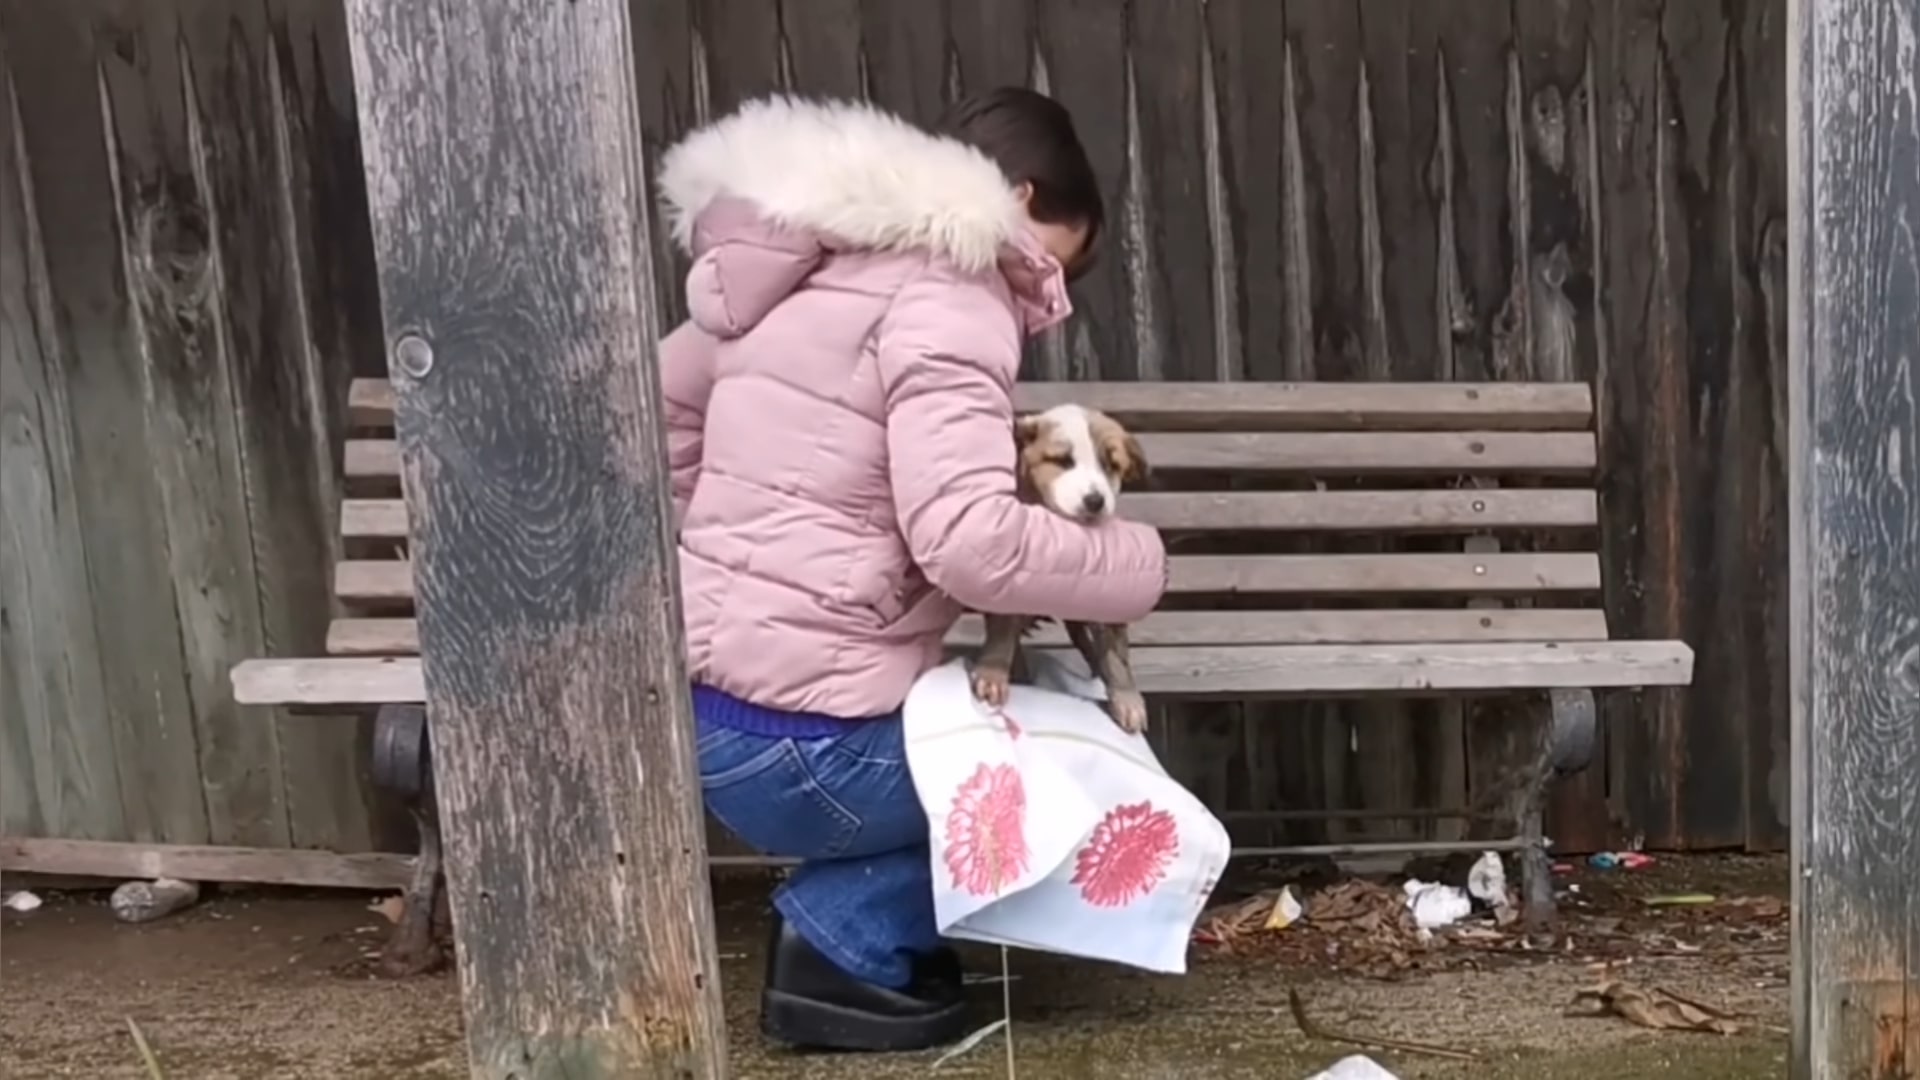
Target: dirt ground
column 250, row 985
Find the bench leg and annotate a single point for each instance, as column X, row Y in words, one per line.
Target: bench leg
column 1516, row 741
column 403, row 765
column 1536, row 867
column 412, row 948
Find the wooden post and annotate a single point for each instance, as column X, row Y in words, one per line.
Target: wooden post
column 504, row 178
column 1855, row 568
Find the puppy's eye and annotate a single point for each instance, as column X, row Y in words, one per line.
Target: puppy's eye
column 1062, row 461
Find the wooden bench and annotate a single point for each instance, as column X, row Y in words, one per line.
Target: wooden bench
column 1277, row 500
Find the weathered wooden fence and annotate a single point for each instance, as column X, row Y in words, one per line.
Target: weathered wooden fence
column 187, row 276
column 1300, row 189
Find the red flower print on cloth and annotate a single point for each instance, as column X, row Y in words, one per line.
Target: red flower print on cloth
column 1128, row 855
column 986, row 831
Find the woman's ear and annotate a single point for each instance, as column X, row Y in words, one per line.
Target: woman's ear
column 1023, row 191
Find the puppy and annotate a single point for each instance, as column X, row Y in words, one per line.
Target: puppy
column 1073, row 461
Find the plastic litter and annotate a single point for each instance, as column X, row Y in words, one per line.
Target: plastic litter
column 1619, row 860
column 22, row 901
column 1286, row 910
column 1487, row 881
column 1357, row 1067
column 1680, row 900
column 1435, row 905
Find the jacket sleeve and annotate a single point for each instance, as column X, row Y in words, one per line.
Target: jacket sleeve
column 948, row 351
column 686, row 381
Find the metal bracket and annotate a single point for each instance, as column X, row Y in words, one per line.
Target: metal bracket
column 1576, row 728
column 402, row 752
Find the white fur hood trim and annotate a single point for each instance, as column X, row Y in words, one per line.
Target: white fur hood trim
column 847, row 171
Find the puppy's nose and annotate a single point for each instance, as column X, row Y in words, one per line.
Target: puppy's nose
column 1094, row 502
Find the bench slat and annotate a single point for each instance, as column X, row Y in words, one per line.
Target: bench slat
column 1240, row 511
column 1362, row 511
column 1323, row 453
column 373, row 519
column 1411, row 668
column 1322, row 627
column 390, row 582
column 371, row 459
column 1354, row 406
column 1345, row 453
column 1359, row 575
column 401, row 636
column 1246, row 671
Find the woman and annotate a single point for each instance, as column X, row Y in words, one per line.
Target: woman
column 840, row 423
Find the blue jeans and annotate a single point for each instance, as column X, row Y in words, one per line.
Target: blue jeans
column 845, row 805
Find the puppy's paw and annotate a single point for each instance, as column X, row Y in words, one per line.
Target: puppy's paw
column 991, row 684
column 1129, row 710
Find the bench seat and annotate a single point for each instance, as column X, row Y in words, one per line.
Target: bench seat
column 1187, row 671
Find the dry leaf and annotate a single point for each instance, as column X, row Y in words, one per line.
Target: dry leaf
column 1759, row 907
column 1662, row 1010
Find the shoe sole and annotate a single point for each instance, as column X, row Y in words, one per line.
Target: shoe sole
column 819, row 1025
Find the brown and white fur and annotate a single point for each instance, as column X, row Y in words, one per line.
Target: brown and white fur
column 1073, row 461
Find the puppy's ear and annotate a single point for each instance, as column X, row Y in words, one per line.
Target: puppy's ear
column 1120, row 450
column 1136, row 468
column 1026, row 429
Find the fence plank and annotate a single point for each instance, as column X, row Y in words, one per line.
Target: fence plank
column 1546, row 335
column 118, row 497
column 1648, row 470
column 57, row 768
column 328, row 315
column 1763, row 57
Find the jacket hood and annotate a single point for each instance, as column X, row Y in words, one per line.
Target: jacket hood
column 847, row 173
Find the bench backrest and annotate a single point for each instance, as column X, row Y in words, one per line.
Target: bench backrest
column 1336, row 513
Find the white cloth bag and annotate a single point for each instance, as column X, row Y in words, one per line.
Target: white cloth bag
column 1054, row 830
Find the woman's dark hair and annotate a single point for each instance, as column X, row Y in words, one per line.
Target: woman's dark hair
column 1031, row 137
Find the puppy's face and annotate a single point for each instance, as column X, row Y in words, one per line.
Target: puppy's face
column 1074, row 461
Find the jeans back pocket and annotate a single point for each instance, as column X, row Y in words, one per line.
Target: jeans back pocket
column 765, row 792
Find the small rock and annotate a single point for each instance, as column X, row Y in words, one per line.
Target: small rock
column 145, row 901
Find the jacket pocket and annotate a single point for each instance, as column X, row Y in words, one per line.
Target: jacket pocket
column 877, row 588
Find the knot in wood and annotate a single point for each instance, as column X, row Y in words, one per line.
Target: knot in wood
column 413, row 355
column 173, row 256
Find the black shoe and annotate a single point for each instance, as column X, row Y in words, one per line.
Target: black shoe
column 809, row 1001
column 940, row 969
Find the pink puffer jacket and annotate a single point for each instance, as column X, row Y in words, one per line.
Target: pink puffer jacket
column 839, row 412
